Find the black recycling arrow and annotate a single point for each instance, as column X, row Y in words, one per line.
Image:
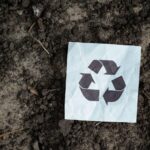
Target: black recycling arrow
column 119, row 85
column 86, row 80
column 95, row 66
column 110, row 66
column 111, row 96
column 89, row 94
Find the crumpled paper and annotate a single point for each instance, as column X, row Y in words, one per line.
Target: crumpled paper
column 102, row 82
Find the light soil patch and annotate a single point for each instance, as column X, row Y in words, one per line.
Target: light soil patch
column 76, row 13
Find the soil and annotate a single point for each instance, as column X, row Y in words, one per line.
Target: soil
column 34, row 36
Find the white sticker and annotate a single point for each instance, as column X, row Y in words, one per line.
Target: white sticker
column 102, row 82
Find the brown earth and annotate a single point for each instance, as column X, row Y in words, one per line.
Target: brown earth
column 34, row 36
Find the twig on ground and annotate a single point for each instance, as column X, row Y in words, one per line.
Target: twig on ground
column 146, row 94
column 41, row 45
column 33, row 90
column 98, row 123
column 31, row 27
column 38, row 41
column 51, row 90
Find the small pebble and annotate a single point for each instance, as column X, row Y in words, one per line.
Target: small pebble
column 41, row 25
column 45, row 92
column 36, row 145
column 19, row 12
column 37, row 10
column 25, row 3
column 11, row 46
column 96, row 146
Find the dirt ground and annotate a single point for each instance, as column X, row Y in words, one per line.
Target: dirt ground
column 34, row 36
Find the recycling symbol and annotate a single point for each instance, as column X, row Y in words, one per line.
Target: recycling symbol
column 109, row 95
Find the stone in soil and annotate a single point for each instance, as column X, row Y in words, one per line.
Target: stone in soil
column 25, row 3
column 65, row 126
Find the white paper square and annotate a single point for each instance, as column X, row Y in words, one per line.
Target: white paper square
column 77, row 105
